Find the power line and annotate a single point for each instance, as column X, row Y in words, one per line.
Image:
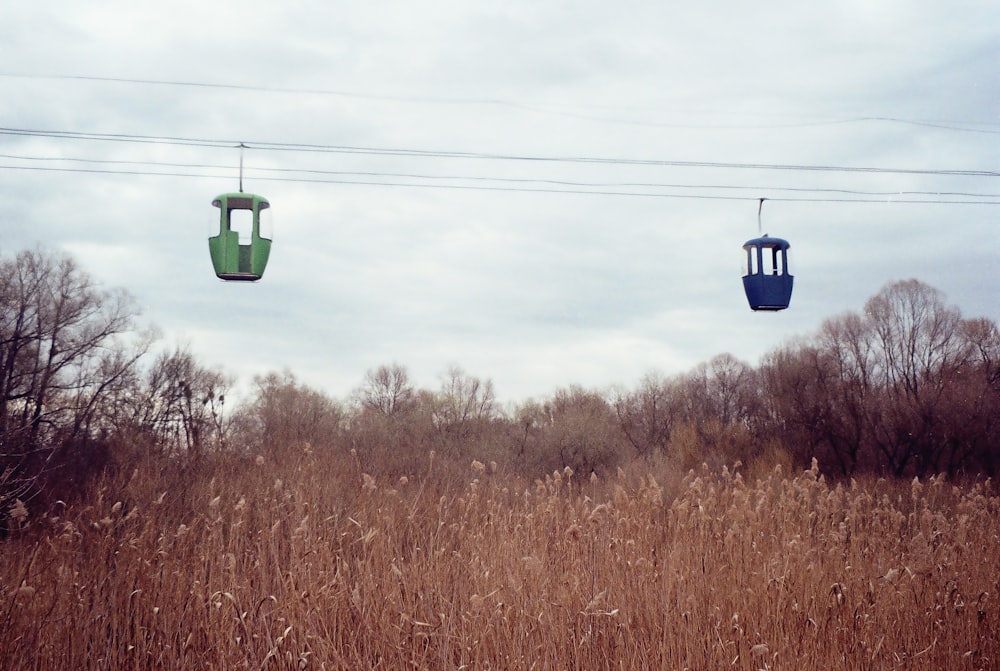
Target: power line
column 260, row 173
column 273, row 89
column 486, row 183
column 475, row 178
column 559, row 110
column 848, row 196
column 118, row 137
column 424, row 153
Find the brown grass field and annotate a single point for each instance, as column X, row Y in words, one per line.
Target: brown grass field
column 317, row 565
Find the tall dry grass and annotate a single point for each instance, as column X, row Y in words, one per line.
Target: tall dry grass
column 319, row 565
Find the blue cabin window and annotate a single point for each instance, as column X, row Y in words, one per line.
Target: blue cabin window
column 765, row 260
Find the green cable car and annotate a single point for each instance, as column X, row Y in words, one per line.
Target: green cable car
column 240, row 250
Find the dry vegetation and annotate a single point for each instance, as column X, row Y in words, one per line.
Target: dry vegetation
column 313, row 563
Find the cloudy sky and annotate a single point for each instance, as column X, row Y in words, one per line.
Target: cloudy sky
column 542, row 192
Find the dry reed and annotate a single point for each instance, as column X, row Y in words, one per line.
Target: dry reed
column 318, row 568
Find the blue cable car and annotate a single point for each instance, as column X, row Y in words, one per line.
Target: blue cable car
column 767, row 283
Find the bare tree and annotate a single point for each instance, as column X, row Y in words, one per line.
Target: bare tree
column 648, row 415
column 984, row 337
column 390, row 425
column 287, row 413
column 849, row 387
column 799, row 413
column 387, row 390
column 63, row 351
column 906, row 386
column 464, row 406
column 917, row 344
column 579, row 429
column 179, row 405
column 970, row 403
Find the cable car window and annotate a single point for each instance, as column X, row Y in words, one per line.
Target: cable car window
column 751, row 265
column 241, row 221
column 772, row 261
column 266, row 223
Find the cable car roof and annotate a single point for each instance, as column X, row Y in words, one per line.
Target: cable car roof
column 767, row 242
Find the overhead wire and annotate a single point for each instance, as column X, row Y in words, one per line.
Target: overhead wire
column 439, row 153
column 486, row 183
column 848, row 195
column 559, row 110
column 261, row 173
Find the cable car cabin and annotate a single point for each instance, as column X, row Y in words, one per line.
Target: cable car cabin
column 767, row 283
column 241, row 248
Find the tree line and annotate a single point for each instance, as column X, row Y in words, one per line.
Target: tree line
column 906, row 386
